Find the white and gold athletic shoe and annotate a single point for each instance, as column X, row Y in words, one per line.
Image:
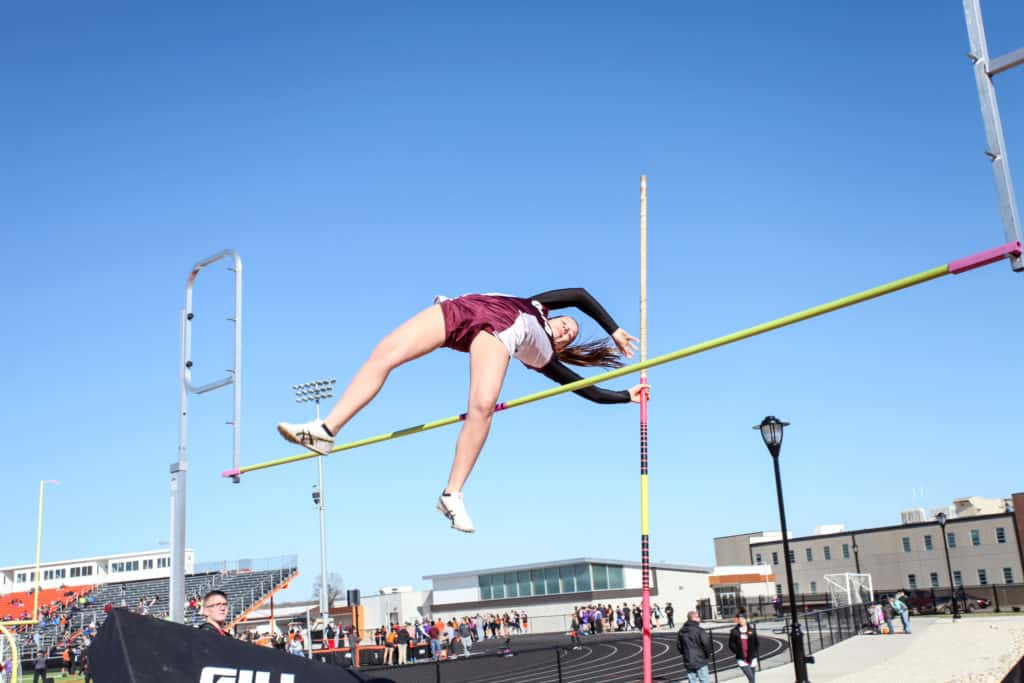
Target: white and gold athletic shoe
column 311, row 435
column 452, row 506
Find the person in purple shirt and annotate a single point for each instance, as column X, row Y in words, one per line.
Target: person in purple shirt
column 492, row 328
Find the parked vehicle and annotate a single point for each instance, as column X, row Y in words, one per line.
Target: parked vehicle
column 968, row 603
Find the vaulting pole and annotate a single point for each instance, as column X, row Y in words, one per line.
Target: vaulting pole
column 645, row 546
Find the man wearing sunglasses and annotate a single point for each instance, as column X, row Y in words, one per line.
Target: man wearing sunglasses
column 215, row 609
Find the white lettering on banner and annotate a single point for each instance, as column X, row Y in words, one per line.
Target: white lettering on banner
column 220, row 674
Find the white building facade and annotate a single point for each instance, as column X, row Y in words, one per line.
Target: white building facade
column 90, row 571
column 549, row 592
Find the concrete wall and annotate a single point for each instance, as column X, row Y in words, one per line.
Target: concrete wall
column 733, row 549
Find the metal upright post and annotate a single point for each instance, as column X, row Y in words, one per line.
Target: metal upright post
column 179, row 469
column 984, row 70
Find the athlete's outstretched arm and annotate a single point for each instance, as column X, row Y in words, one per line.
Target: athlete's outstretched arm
column 580, row 298
column 558, row 372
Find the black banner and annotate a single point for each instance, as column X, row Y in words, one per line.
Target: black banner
column 134, row 649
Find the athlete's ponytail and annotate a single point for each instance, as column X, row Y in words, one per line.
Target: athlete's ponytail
column 591, row 354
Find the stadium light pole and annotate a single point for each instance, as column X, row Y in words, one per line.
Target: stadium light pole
column 314, row 392
column 771, row 431
column 941, row 519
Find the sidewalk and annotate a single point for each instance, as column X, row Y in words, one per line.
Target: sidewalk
column 973, row 649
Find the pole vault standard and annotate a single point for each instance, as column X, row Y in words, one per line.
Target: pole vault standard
column 645, row 545
column 984, row 258
column 179, row 469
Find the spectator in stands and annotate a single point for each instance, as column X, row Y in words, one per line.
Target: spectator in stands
column 390, row 643
column 295, row 645
column 465, row 635
column 215, row 609
column 435, row 641
column 402, row 644
column 329, row 633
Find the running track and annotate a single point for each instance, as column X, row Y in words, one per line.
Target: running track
column 607, row 658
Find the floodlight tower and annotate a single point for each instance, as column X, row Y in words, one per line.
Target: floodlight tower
column 313, row 392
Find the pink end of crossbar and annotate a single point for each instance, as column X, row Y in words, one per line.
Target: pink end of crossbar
column 984, row 258
column 231, row 473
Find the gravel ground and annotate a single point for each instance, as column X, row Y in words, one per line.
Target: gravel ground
column 972, row 650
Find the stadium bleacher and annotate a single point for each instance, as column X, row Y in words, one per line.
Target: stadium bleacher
column 244, row 589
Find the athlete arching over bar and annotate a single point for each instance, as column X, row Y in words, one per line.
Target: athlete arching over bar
column 515, row 327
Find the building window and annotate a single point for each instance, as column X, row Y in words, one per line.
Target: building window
column 551, row 580
column 1007, row 574
column 975, row 537
column 757, row 558
column 525, row 588
column 934, row 578
column 792, row 556
column 485, row 586
column 912, row 581
column 796, row 588
column 616, row 577
column 567, row 579
column 951, row 539
column 582, row 577
column 1000, row 535
column 511, row 587
column 163, row 562
column 775, row 558
column 846, row 551
column 982, row 577
column 958, row 578
column 147, row 564
column 810, row 557
column 928, row 542
column 814, row 586
column 537, row 582
column 778, row 589
column 906, row 544
column 76, row 572
column 828, row 553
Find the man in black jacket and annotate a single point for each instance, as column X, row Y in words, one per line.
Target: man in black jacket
column 694, row 644
column 215, row 609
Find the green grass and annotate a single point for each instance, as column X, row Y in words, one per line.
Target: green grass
column 55, row 675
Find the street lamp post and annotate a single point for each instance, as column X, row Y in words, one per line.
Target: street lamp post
column 941, row 519
column 313, row 392
column 856, row 553
column 771, row 431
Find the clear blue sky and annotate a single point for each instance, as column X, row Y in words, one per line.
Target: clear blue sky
column 363, row 157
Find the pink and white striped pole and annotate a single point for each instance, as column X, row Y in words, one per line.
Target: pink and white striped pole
column 645, row 548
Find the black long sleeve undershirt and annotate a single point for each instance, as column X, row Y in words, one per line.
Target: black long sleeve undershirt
column 580, row 298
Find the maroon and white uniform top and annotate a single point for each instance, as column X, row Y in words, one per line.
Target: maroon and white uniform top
column 522, row 326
